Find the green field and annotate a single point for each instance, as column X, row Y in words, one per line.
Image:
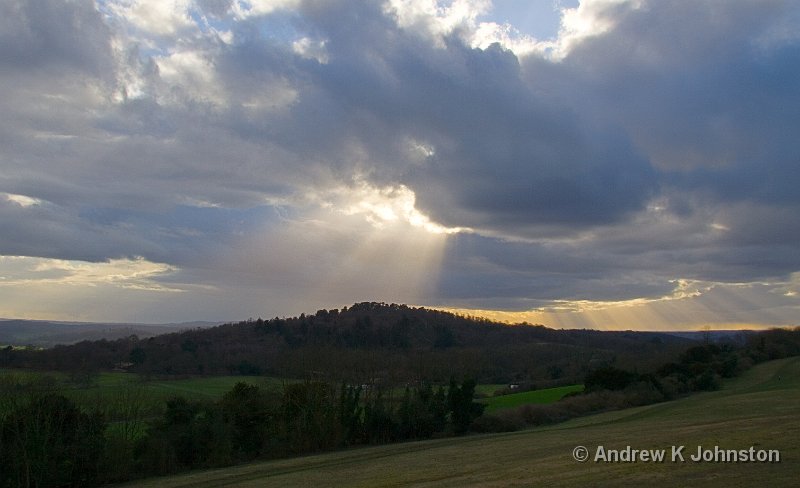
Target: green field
column 761, row 409
column 107, row 390
column 547, row 395
column 488, row 390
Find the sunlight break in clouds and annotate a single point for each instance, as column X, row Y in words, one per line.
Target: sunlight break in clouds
column 692, row 304
column 366, row 241
column 383, row 207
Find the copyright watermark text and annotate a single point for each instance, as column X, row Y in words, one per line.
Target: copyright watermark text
column 676, row 454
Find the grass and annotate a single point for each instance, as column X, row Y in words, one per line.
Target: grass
column 109, row 391
column 761, row 409
column 488, row 390
column 127, row 400
column 548, row 395
column 208, row 387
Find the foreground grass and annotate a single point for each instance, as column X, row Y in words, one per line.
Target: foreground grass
column 761, row 409
column 547, row 395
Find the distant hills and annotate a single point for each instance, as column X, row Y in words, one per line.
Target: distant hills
column 43, row 333
column 735, row 335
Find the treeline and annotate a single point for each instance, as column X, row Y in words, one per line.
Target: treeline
column 45, row 440
column 699, row 368
column 394, row 342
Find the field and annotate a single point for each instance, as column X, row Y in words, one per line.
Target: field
column 760, row 409
column 547, row 395
column 203, row 387
column 108, row 390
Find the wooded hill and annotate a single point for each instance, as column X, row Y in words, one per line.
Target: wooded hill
column 369, row 343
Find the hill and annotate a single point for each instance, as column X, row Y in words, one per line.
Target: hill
column 370, row 343
column 759, row 409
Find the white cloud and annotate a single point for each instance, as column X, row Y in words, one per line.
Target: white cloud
column 438, row 19
column 193, row 74
column 155, row 17
column 135, row 274
column 310, row 49
column 22, row 200
column 243, row 9
column 488, row 33
column 435, row 18
column 589, row 19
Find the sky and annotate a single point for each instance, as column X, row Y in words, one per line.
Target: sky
column 609, row 164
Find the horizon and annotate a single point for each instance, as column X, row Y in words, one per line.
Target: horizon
column 602, row 164
column 501, row 318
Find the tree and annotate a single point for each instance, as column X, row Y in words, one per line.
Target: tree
column 137, row 356
column 444, row 337
column 462, row 409
column 423, row 412
column 309, row 416
column 249, row 413
column 50, row 442
column 190, row 435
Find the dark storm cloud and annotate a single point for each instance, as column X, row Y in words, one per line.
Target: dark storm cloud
column 520, row 276
column 709, row 91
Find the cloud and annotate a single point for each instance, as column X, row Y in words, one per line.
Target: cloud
column 651, row 142
column 701, row 92
column 47, row 34
column 159, row 18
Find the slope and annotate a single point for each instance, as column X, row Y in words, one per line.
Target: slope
column 760, row 409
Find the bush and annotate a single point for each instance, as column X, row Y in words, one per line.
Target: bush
column 501, row 421
column 707, row 381
column 608, row 378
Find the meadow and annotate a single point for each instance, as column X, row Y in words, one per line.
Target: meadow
column 127, row 396
column 761, row 409
column 543, row 396
column 109, row 390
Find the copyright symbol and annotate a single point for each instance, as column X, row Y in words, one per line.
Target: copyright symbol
column 580, row 453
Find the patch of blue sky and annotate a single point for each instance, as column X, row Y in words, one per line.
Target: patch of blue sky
column 537, row 18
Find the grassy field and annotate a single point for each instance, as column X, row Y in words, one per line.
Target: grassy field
column 107, row 390
column 107, row 386
column 761, row 409
column 488, row 390
column 547, row 395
